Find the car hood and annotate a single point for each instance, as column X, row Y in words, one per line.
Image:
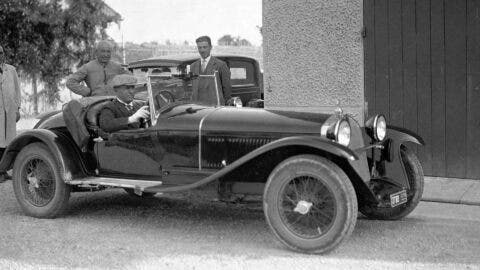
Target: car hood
column 240, row 120
column 255, row 120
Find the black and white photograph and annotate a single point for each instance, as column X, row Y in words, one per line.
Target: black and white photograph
column 240, row 134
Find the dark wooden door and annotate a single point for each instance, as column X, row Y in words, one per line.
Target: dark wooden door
column 422, row 70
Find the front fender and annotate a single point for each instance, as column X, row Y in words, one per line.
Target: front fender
column 394, row 168
column 63, row 149
column 319, row 143
column 404, row 135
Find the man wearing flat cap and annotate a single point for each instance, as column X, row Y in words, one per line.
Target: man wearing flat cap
column 97, row 74
column 123, row 112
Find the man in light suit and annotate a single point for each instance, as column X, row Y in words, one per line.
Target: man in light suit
column 204, row 88
column 9, row 105
column 97, row 74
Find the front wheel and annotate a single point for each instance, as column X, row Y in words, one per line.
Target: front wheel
column 310, row 204
column 414, row 172
column 37, row 184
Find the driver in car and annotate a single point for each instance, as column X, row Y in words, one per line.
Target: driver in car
column 123, row 112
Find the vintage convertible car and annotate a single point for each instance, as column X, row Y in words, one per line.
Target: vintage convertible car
column 312, row 172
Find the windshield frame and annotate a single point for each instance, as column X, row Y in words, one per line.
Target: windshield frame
column 154, row 112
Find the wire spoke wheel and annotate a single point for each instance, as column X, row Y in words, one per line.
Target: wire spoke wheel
column 310, row 204
column 307, row 206
column 39, row 188
column 38, row 182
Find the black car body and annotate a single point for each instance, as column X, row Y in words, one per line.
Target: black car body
column 312, row 171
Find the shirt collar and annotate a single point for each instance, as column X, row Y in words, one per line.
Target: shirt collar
column 126, row 104
column 207, row 59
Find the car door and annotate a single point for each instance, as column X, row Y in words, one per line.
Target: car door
column 130, row 153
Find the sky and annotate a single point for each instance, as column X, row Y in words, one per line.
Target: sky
column 180, row 20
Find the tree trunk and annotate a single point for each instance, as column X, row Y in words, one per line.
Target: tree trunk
column 35, row 94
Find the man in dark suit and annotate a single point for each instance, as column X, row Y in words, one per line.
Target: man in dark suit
column 204, row 88
column 123, row 112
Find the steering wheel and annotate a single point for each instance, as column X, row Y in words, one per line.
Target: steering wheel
column 163, row 98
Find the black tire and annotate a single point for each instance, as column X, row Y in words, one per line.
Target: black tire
column 415, row 177
column 322, row 206
column 144, row 195
column 38, row 186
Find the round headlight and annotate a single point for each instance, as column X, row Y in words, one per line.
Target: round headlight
column 376, row 127
column 342, row 132
column 380, row 128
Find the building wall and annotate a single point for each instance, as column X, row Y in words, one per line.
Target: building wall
column 313, row 55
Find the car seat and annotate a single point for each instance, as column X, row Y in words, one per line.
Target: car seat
column 92, row 122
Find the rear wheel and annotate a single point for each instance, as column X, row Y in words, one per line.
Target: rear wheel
column 37, row 184
column 310, row 204
column 414, row 172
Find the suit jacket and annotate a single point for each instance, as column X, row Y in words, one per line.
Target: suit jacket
column 203, row 89
column 96, row 76
column 114, row 116
column 9, row 103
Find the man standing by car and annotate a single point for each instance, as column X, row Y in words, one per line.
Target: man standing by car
column 96, row 74
column 9, row 105
column 203, row 87
column 123, row 112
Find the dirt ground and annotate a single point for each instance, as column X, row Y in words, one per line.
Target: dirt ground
column 111, row 230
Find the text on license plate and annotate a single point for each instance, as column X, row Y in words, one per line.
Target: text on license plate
column 398, row 198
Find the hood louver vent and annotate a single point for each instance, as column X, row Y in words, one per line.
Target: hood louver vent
column 229, row 149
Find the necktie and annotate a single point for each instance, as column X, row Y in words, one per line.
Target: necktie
column 129, row 107
column 104, row 75
column 204, row 65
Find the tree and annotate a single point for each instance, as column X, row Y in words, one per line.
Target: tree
column 44, row 39
column 228, row 40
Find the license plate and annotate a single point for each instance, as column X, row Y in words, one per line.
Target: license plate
column 398, row 198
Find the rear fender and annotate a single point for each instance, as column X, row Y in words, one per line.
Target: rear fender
column 63, row 149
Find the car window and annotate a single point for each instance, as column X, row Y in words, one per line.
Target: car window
column 238, row 73
column 242, row 73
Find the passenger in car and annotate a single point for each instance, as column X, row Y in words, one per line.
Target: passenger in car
column 97, row 74
column 123, row 112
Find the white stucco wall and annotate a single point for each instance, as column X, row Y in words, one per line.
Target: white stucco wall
column 313, row 55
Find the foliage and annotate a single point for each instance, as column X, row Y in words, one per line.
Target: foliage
column 44, row 39
column 228, row 40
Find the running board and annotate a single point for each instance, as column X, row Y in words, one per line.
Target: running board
column 138, row 186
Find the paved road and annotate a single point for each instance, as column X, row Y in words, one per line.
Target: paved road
column 109, row 229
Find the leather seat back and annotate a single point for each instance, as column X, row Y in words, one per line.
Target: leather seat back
column 92, row 122
column 94, row 112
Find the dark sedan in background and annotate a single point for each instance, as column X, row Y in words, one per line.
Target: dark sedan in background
column 246, row 76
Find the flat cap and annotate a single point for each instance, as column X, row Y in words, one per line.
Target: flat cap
column 124, row 79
